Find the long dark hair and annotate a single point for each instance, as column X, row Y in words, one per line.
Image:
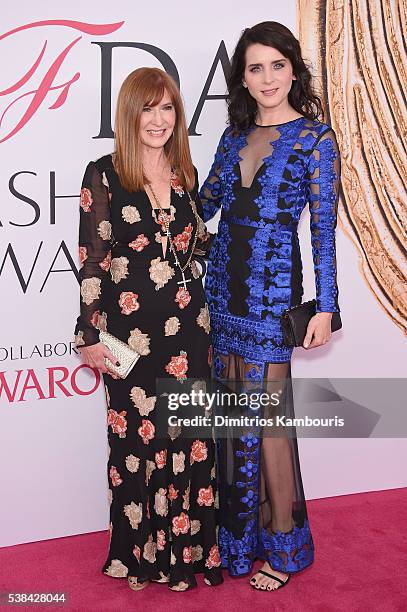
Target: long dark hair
column 242, row 108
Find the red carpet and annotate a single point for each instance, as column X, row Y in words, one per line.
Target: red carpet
column 360, row 565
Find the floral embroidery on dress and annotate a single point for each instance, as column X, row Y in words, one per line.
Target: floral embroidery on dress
column 105, row 264
column 187, row 554
column 130, row 214
column 146, row 431
column 139, row 342
column 105, row 230
column 181, row 241
column 160, row 272
column 115, row 476
column 161, row 539
column 178, row 366
column 109, row 496
column 161, row 502
column 176, row 185
column 144, row 404
column 134, row 513
column 128, row 302
column 195, row 526
column 117, row 421
column 119, row 269
column 132, row 463
column 86, row 200
column 205, row 496
column 178, row 462
column 161, row 217
column 194, row 269
column 183, row 297
column 137, row 552
column 174, row 431
column 180, row 524
column 98, row 320
column 83, row 254
column 171, row 326
column 90, row 290
column 197, row 553
column 117, row 569
column 203, row 319
column 139, row 243
column 150, row 467
column 185, row 503
column 214, row 558
column 150, row 549
column 161, row 458
column 172, row 492
column 199, row 451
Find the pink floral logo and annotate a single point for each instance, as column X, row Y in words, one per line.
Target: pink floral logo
column 39, row 92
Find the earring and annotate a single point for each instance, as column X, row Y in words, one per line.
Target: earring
column 244, row 84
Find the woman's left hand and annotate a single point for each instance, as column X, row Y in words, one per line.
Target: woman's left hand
column 318, row 330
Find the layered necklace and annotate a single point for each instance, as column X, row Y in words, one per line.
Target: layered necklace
column 166, row 222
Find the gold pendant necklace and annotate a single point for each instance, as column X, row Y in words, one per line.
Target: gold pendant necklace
column 183, row 295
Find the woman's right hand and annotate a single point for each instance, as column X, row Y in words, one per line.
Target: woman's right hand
column 94, row 356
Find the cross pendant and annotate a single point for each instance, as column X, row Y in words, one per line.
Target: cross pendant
column 184, row 281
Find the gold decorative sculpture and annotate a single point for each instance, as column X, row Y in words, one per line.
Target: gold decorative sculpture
column 356, row 49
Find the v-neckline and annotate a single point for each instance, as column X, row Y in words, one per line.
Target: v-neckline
column 255, row 175
column 244, row 144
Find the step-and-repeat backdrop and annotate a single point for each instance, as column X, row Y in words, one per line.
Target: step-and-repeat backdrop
column 61, row 71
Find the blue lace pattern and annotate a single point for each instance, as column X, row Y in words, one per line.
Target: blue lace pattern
column 300, row 169
column 303, row 168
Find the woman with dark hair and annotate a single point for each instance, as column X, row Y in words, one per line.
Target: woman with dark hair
column 273, row 159
column 140, row 229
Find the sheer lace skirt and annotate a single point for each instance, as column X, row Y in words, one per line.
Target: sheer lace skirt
column 262, row 511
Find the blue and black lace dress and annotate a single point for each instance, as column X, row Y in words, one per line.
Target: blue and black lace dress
column 262, row 180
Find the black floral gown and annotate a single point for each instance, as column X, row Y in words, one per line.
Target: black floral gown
column 162, row 490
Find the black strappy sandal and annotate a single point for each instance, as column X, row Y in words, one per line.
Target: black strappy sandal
column 282, row 582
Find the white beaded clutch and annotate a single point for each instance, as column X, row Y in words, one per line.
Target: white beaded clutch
column 125, row 355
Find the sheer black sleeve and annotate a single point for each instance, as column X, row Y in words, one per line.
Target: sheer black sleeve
column 95, row 232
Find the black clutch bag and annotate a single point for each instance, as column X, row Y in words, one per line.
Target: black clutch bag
column 295, row 322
